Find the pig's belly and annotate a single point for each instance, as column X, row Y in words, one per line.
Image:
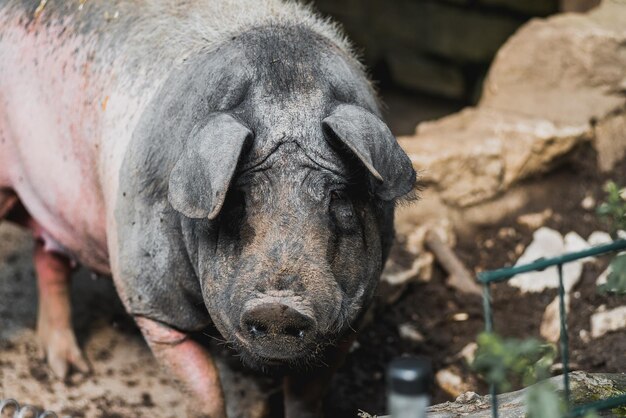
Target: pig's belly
column 49, row 143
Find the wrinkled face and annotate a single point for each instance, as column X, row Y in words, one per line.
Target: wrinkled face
column 297, row 255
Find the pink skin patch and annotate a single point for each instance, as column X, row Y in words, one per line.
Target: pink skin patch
column 190, row 363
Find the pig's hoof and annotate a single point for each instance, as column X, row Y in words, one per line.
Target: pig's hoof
column 62, row 353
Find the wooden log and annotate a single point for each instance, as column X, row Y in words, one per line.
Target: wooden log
column 459, row 277
column 585, row 388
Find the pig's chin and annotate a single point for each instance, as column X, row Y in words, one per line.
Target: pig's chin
column 278, row 360
column 273, row 360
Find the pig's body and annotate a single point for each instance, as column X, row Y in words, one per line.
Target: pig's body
column 204, row 154
column 73, row 84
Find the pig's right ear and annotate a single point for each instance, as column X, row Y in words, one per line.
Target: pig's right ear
column 200, row 179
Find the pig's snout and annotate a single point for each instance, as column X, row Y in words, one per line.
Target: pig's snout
column 277, row 331
column 276, row 320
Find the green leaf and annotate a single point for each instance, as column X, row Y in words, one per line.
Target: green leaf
column 542, row 401
column 616, row 281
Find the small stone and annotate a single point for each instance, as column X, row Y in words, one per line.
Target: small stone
column 468, row 397
column 355, row 346
column 460, row 316
column 535, row 220
column 604, row 276
column 449, row 380
column 506, row 232
column 550, row 328
column 409, row 332
column 588, row 203
column 599, row 238
column 605, row 321
column 547, row 243
column 584, row 336
column 468, row 352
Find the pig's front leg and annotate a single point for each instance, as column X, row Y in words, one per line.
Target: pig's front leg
column 305, row 392
column 54, row 325
column 190, row 364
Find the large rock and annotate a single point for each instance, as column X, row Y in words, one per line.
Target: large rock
column 556, row 83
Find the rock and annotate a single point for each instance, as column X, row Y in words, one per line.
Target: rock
column 584, row 336
column 451, row 382
column 468, row 352
column 588, row 203
column 486, row 151
column 550, row 328
column 421, row 269
column 468, row 397
column 409, row 332
column 460, row 316
column 547, row 243
column 599, row 238
column 575, row 243
column 609, row 141
column 535, row 220
column 603, row 322
column 555, row 84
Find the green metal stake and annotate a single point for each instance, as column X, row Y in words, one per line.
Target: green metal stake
column 564, row 336
column 489, row 328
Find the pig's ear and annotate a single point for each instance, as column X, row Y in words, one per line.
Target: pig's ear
column 371, row 141
column 200, row 179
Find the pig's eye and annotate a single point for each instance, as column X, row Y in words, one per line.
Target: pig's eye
column 234, row 209
column 342, row 211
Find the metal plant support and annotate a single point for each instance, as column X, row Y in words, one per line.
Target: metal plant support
column 504, row 274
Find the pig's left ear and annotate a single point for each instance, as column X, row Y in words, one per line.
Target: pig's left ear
column 200, row 179
column 371, row 141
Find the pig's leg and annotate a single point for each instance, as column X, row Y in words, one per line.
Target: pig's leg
column 8, row 199
column 304, row 392
column 54, row 324
column 190, row 364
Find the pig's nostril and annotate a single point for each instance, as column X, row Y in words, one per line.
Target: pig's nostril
column 257, row 330
column 295, row 332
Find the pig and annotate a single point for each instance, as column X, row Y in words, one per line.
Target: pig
column 224, row 161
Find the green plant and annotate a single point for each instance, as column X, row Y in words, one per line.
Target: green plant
column 613, row 209
column 616, row 281
column 503, row 361
column 613, row 212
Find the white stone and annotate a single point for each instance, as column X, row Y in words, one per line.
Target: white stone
column 588, row 203
column 550, row 328
column 599, row 238
column 468, row 352
column 547, row 243
column 409, row 332
column 604, row 276
column 606, row 321
column 451, row 382
column 535, row 220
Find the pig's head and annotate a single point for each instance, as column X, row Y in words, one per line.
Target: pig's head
column 289, row 218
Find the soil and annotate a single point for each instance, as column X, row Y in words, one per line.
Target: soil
column 126, row 381
column 431, row 306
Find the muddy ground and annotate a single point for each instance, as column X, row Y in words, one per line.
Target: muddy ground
column 126, row 381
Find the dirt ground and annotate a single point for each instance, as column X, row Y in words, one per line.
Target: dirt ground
column 126, row 381
column 431, row 306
